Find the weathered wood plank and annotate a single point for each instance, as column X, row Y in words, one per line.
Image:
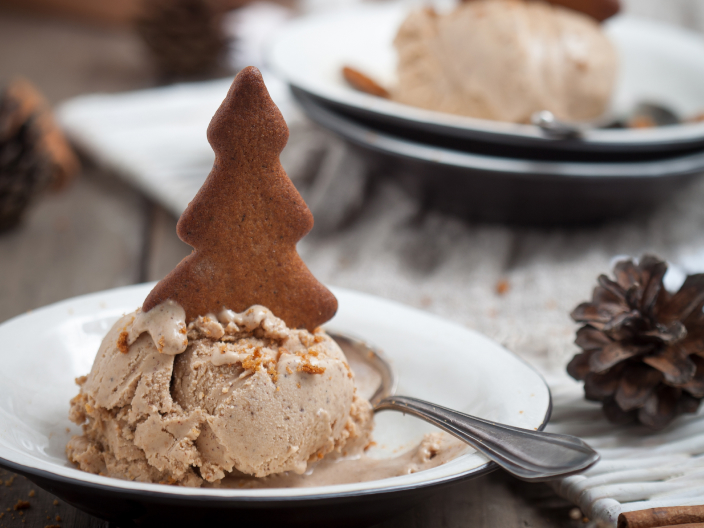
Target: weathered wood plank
column 64, row 59
column 43, row 508
column 164, row 249
column 493, row 501
column 87, row 239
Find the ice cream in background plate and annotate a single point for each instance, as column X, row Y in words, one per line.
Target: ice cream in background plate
column 505, row 60
column 186, row 391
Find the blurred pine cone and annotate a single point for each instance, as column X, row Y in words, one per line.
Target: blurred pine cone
column 643, row 347
column 183, row 36
column 33, row 152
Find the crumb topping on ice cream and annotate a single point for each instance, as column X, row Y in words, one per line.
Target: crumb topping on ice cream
column 247, row 394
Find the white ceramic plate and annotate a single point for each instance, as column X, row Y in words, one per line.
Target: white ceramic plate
column 659, row 63
column 43, row 351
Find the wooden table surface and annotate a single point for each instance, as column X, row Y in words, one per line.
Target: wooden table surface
column 102, row 234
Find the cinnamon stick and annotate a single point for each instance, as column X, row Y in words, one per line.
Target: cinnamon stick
column 682, row 516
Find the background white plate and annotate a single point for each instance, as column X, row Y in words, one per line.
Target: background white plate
column 659, row 63
column 43, row 351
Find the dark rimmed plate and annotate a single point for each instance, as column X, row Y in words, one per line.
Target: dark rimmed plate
column 658, row 63
column 513, row 190
column 44, row 350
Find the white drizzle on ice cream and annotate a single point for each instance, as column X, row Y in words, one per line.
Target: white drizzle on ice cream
column 166, row 324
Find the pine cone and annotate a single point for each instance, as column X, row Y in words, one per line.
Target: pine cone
column 643, row 347
column 183, row 37
column 33, row 151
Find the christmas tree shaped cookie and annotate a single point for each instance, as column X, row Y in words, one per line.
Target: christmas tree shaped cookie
column 245, row 221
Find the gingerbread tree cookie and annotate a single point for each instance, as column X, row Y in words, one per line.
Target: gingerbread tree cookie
column 245, row 221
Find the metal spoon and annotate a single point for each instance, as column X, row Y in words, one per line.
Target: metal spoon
column 529, row 455
column 555, row 128
column 642, row 115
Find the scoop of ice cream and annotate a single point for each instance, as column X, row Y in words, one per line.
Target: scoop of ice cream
column 505, row 60
column 248, row 394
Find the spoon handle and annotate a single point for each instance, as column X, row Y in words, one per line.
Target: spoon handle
column 529, row 455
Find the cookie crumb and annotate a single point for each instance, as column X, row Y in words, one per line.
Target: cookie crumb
column 122, row 345
column 502, row 287
column 32, row 493
column 22, row 505
column 56, row 502
column 310, row 369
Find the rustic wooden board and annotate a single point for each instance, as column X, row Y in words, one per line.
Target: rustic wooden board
column 165, row 249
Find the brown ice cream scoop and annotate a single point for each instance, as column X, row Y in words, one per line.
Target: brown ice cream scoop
column 245, row 221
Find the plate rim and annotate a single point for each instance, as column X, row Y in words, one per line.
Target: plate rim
column 365, row 136
column 164, row 493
